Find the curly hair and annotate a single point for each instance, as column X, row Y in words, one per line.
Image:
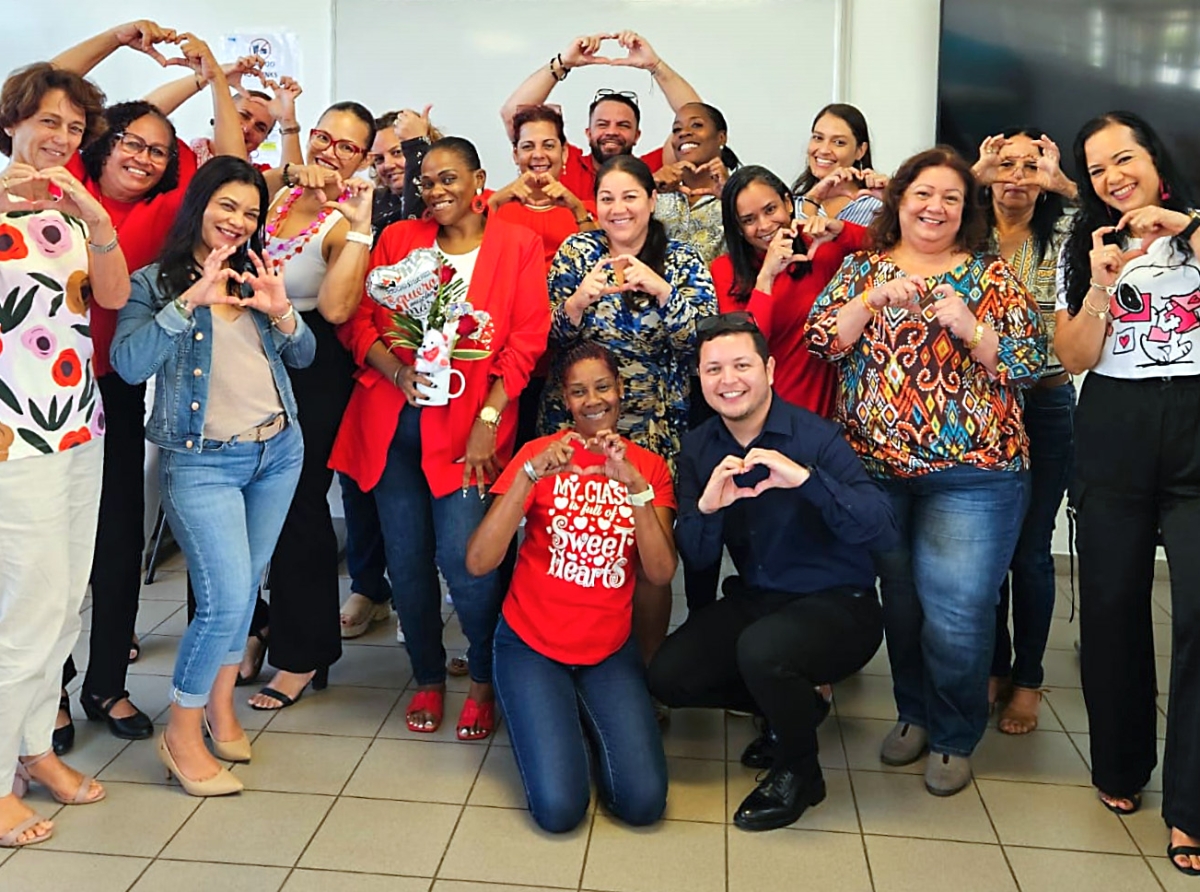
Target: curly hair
column 972, row 230
column 119, row 117
column 23, row 91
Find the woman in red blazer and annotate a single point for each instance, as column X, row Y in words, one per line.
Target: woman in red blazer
column 429, row 466
column 762, row 274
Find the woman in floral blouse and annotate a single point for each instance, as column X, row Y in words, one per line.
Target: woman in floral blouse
column 58, row 254
column 933, row 337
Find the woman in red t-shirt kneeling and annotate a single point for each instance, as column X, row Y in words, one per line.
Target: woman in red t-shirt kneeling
column 599, row 512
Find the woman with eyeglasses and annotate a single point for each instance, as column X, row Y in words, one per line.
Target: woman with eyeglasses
column 429, row 466
column 139, row 171
column 318, row 231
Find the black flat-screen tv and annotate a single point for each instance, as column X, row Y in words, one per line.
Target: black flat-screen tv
column 1054, row 64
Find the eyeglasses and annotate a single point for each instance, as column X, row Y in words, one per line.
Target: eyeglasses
column 343, row 148
column 134, row 145
column 608, row 94
column 739, row 320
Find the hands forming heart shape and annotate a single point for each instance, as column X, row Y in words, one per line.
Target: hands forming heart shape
column 712, row 176
column 584, row 51
column 737, row 478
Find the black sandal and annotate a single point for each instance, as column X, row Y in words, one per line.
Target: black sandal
column 64, row 738
column 1174, row 852
column 1136, row 799
column 135, row 650
column 243, row 680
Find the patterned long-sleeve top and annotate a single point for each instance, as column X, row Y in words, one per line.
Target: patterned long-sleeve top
column 911, row 397
column 654, row 345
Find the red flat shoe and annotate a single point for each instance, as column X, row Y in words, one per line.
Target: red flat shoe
column 476, row 715
column 432, row 702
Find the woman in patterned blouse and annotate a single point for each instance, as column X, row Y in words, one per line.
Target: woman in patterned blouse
column 639, row 294
column 933, row 337
column 1024, row 193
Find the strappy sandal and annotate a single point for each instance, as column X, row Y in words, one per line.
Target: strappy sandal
column 458, row 666
column 243, row 680
column 12, row 839
column 1174, row 852
column 23, row 779
column 1019, row 721
column 431, row 702
column 135, row 650
column 476, row 715
column 1136, row 799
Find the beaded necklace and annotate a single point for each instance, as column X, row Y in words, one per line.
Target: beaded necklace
column 283, row 250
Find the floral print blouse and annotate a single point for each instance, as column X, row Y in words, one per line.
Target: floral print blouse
column 49, row 401
column 911, row 397
column 654, row 345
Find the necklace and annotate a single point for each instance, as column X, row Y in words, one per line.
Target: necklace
column 283, row 250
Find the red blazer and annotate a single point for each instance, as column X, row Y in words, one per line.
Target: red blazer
column 509, row 282
column 800, row 378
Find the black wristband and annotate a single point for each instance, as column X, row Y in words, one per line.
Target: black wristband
column 1190, row 229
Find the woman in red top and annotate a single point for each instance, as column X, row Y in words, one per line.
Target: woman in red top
column 763, row 274
column 139, row 171
column 598, row 508
column 420, row 461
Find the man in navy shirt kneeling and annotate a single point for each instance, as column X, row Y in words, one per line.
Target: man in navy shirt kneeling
column 783, row 491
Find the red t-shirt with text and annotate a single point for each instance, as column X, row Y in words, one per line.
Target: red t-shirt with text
column 571, row 597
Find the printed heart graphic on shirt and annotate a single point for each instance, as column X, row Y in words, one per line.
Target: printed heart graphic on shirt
column 1124, row 339
column 561, row 503
column 581, row 523
column 603, row 523
column 625, row 511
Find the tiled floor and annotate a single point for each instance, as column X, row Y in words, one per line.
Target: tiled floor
column 341, row 796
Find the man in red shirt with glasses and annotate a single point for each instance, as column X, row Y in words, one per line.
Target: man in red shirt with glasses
column 614, row 118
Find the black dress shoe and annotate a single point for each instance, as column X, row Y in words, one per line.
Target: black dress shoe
column 760, row 752
column 779, row 800
column 131, row 727
column 63, row 738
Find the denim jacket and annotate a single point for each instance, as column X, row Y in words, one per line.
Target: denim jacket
column 154, row 338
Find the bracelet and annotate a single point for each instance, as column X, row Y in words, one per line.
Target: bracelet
column 867, row 303
column 396, row 376
column 587, row 218
column 812, row 201
column 287, row 178
column 290, row 131
column 561, row 67
column 182, row 306
column 359, row 238
column 654, row 70
column 103, row 249
column 1190, row 229
column 977, row 338
column 1110, row 290
column 1102, row 313
column 200, row 81
column 530, row 471
column 289, row 314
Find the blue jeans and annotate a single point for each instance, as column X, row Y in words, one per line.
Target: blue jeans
column 226, row 506
column 421, row 535
column 554, row 711
column 366, row 560
column 1049, row 422
column 958, row 529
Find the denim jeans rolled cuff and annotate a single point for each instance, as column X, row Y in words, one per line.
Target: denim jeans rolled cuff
column 226, row 505
column 958, row 529
column 557, row 714
column 423, row 535
column 1049, row 423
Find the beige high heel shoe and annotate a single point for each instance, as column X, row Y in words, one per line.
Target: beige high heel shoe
column 221, row 784
column 81, row 797
column 229, row 750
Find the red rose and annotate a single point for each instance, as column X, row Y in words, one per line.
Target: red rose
column 74, row 438
column 67, row 370
column 467, row 325
column 447, row 274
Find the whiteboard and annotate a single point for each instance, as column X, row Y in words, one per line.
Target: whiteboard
column 768, row 65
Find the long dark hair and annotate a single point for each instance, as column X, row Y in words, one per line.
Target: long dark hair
column 654, row 249
column 741, row 253
column 1094, row 213
column 857, row 123
column 118, row 117
column 972, row 231
column 178, row 267
column 1046, row 211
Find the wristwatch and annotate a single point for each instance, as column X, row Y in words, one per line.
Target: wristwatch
column 645, row 497
column 490, row 416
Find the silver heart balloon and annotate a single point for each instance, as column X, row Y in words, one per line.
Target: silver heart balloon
column 409, row 286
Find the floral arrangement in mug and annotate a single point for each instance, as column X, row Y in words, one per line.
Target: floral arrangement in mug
column 424, row 294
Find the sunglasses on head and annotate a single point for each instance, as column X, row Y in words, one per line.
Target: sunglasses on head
column 608, row 94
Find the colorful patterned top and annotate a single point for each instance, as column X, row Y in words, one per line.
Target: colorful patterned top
column 654, row 346
column 1041, row 279
column 48, row 396
column 698, row 225
column 911, row 397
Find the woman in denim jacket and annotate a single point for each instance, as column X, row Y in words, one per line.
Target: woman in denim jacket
column 213, row 324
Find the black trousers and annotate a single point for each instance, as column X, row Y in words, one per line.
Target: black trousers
column 120, row 539
column 1137, row 471
column 303, row 580
column 764, row 652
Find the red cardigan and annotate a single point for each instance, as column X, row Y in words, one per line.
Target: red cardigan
column 509, row 282
column 800, row 378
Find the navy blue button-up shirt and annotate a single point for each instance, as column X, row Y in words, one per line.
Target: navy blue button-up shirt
column 817, row 536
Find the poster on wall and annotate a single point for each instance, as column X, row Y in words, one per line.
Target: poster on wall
column 281, row 50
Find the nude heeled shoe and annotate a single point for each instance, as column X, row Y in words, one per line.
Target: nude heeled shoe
column 82, row 795
column 229, row 750
column 221, row 784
